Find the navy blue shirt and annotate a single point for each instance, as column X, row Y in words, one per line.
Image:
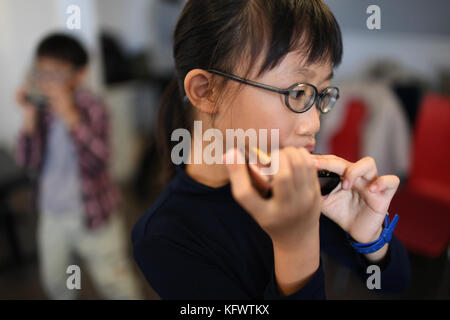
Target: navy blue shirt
column 197, row 242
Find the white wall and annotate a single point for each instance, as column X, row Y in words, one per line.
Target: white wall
column 423, row 54
column 17, row 40
column 143, row 25
column 415, row 33
column 129, row 20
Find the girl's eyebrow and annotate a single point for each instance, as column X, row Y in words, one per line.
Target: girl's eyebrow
column 330, row 76
column 303, row 71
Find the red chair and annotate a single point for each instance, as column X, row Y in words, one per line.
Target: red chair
column 430, row 172
column 424, row 203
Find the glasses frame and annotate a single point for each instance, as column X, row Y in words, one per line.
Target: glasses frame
column 286, row 92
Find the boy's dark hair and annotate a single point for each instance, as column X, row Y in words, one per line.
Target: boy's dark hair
column 65, row 48
column 219, row 34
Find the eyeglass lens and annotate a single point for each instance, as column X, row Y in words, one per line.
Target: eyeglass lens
column 303, row 96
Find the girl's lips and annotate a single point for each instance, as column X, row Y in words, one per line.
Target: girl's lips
column 310, row 148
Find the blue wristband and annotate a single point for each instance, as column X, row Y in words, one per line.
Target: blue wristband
column 385, row 237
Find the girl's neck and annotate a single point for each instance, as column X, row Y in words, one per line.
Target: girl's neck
column 212, row 175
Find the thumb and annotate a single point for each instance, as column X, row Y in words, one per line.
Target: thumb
column 241, row 185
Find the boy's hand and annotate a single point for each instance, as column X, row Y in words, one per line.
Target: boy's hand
column 61, row 102
column 29, row 111
column 360, row 203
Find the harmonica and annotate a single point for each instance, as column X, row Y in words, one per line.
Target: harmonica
column 328, row 180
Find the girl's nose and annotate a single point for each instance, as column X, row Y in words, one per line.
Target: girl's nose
column 308, row 123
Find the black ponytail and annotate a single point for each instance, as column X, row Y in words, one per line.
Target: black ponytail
column 173, row 114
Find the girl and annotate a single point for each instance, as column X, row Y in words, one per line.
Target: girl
column 210, row 235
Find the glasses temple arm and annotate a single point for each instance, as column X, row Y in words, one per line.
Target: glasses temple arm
column 252, row 83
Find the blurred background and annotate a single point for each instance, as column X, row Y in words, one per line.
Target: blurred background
column 394, row 106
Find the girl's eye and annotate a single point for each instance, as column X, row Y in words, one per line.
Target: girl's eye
column 297, row 94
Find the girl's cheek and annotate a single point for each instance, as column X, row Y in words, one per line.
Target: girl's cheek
column 258, row 110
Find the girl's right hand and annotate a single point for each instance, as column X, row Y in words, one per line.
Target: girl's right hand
column 293, row 211
column 29, row 111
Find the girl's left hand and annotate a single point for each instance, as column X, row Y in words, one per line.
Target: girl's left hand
column 360, row 202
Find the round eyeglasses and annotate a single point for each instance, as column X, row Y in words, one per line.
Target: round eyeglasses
column 299, row 97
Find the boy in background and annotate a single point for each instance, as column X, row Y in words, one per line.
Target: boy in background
column 64, row 140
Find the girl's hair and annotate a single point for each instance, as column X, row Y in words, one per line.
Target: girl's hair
column 222, row 34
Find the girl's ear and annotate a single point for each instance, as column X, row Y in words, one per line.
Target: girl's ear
column 199, row 90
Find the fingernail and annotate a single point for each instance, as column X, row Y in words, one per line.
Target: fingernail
column 346, row 184
column 373, row 188
column 263, row 157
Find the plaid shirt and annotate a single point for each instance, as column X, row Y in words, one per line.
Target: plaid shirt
column 91, row 138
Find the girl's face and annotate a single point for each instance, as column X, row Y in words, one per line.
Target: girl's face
column 255, row 108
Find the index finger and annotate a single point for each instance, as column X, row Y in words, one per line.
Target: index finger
column 331, row 163
column 241, row 185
